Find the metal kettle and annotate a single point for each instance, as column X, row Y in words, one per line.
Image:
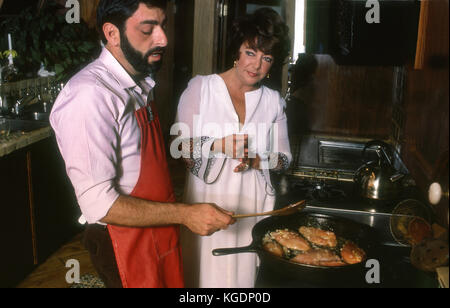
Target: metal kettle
column 378, row 179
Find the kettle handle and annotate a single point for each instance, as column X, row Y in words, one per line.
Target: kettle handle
column 385, row 149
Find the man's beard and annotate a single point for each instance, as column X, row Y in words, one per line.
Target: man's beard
column 138, row 62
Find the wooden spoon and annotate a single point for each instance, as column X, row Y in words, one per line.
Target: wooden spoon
column 288, row 210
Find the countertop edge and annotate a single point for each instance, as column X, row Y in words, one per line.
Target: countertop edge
column 25, row 140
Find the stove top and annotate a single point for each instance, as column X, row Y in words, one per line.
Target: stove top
column 330, row 191
column 323, row 171
column 322, row 174
column 338, row 199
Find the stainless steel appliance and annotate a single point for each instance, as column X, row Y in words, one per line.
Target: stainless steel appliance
column 378, row 179
column 323, row 173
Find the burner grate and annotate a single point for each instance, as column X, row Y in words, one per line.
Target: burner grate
column 317, row 174
column 320, row 191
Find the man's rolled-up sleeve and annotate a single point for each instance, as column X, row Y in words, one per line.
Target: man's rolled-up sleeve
column 85, row 123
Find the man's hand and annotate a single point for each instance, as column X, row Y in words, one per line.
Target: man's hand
column 205, row 219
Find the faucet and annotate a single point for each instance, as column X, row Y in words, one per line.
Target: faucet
column 20, row 104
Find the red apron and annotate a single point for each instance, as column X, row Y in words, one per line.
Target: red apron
column 150, row 257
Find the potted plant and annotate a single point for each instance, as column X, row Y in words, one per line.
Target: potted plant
column 46, row 37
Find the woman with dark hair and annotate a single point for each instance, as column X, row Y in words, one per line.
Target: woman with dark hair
column 233, row 131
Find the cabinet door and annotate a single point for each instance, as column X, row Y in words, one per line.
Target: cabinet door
column 55, row 209
column 16, row 246
column 426, row 144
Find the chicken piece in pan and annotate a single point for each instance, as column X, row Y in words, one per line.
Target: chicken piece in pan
column 274, row 248
column 352, row 254
column 290, row 240
column 318, row 257
column 319, row 237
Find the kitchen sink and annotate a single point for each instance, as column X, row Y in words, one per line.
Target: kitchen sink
column 16, row 125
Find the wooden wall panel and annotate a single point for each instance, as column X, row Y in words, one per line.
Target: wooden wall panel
column 348, row 100
column 88, row 11
column 204, row 37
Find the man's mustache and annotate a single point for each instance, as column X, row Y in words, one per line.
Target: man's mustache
column 161, row 50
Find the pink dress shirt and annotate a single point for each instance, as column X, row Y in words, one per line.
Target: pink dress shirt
column 98, row 134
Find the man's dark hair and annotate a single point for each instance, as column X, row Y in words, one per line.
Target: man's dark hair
column 264, row 30
column 117, row 12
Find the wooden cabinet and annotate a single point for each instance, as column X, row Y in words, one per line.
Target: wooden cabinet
column 55, row 208
column 426, row 103
column 39, row 209
column 16, row 252
column 432, row 40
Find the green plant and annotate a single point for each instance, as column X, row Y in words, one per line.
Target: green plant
column 47, row 37
column 7, row 53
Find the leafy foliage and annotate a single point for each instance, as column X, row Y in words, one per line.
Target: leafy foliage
column 47, row 37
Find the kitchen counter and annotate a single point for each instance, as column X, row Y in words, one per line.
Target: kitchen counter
column 19, row 140
column 37, row 197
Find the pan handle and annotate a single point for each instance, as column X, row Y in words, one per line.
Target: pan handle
column 229, row 251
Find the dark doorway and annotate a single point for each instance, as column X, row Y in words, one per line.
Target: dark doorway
column 183, row 48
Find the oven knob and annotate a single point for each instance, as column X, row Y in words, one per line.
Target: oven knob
column 435, row 193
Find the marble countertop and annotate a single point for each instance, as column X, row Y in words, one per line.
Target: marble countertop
column 19, row 140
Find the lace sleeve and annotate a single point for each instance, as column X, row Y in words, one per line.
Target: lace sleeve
column 196, row 150
column 279, row 162
column 192, row 153
column 280, row 157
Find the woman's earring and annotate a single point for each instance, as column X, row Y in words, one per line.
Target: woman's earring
column 268, row 76
column 235, row 63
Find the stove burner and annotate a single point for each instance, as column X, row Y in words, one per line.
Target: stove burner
column 327, row 193
column 320, row 191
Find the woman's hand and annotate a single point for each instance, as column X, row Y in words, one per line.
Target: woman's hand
column 236, row 146
column 248, row 163
column 233, row 146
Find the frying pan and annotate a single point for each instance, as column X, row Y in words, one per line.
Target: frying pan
column 362, row 235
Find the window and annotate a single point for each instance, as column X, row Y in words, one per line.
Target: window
column 299, row 40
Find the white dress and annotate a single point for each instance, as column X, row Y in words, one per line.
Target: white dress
column 207, row 110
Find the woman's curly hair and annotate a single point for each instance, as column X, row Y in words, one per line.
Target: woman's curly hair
column 263, row 30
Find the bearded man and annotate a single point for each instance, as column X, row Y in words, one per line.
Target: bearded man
column 109, row 135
